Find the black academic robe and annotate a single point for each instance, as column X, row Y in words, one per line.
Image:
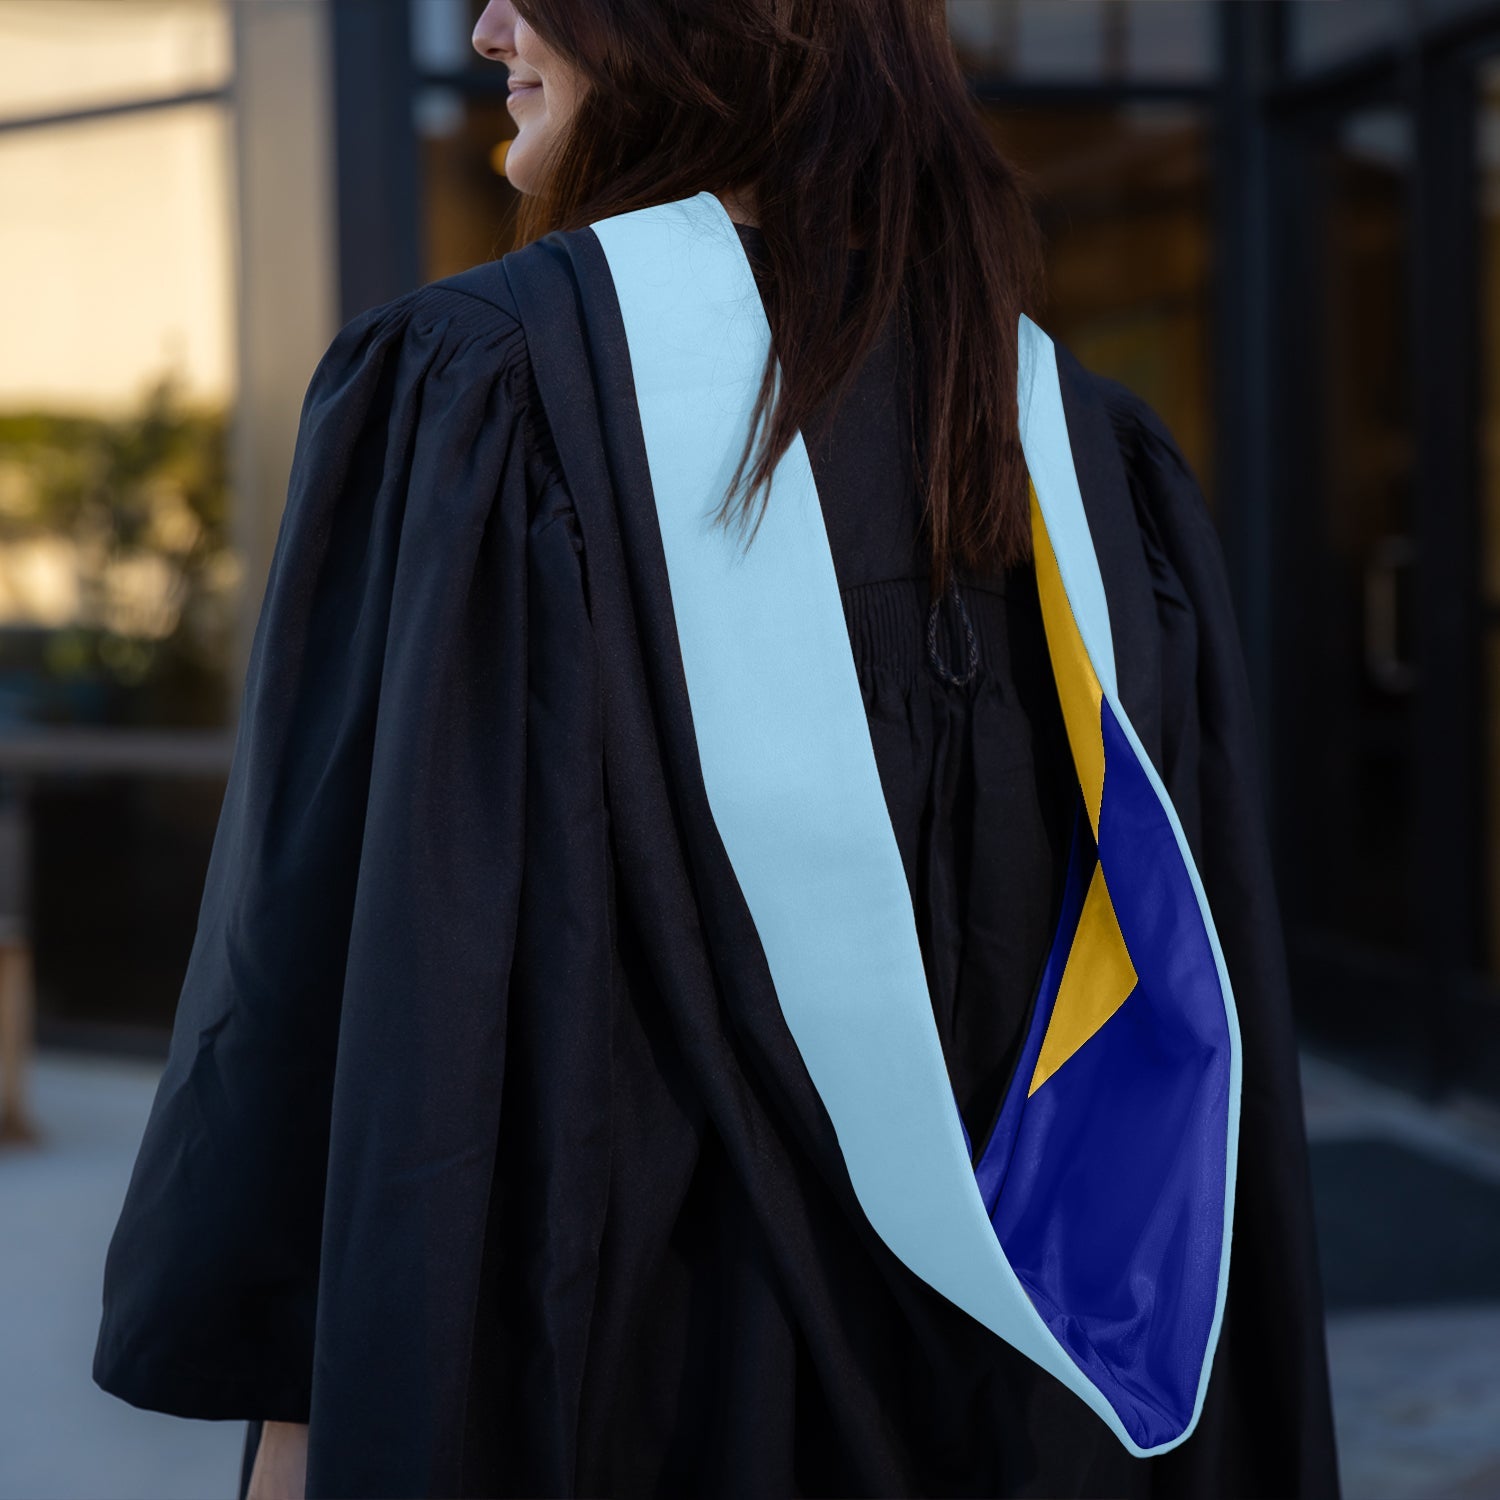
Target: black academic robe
column 483, row 1144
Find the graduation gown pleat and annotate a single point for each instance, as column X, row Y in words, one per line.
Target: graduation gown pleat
column 483, row 1144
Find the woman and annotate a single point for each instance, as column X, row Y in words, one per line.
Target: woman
column 498, row 1151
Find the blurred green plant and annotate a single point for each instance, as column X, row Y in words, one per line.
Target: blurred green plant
column 118, row 581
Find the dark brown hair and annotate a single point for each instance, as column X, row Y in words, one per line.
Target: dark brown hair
column 835, row 118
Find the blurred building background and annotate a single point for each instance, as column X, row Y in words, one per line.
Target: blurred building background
column 1279, row 222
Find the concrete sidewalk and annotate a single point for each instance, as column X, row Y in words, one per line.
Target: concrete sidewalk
column 61, row 1437
column 1417, row 1389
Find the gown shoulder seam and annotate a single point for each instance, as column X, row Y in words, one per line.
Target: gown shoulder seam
column 514, row 368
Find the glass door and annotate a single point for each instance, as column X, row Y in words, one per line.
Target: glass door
column 1350, row 687
column 1388, row 617
column 1479, row 987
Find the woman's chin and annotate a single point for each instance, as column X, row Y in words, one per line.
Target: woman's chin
column 518, row 166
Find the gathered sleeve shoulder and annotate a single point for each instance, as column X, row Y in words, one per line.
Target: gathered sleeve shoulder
column 360, row 903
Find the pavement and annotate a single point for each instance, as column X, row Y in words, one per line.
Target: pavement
column 1416, row 1382
column 61, row 1437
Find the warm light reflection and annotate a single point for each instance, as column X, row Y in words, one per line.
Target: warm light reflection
column 469, row 211
column 59, row 55
column 40, row 581
column 114, row 538
column 1124, row 198
column 115, row 259
column 118, row 576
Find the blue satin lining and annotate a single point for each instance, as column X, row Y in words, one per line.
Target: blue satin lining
column 1104, row 1187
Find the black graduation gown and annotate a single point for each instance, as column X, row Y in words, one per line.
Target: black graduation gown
column 482, row 1143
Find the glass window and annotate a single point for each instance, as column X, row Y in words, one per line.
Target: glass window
column 1123, row 196
column 1171, row 41
column 1079, row 41
column 116, row 259
column 463, row 129
column 62, row 55
column 440, row 35
column 1487, row 148
column 1323, row 33
column 1443, row 10
column 1361, row 697
column 117, row 870
column 117, row 579
column 1163, row 41
column 121, row 594
column 469, row 203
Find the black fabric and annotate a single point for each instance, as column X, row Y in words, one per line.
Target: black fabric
column 482, row 1143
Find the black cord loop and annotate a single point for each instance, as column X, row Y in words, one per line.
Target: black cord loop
column 937, row 663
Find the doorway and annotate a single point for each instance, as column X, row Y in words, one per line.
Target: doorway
column 1385, row 594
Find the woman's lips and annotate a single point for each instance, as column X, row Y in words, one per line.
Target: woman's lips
column 517, row 90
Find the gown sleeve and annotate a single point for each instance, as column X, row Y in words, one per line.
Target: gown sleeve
column 344, row 994
column 1271, row 1372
